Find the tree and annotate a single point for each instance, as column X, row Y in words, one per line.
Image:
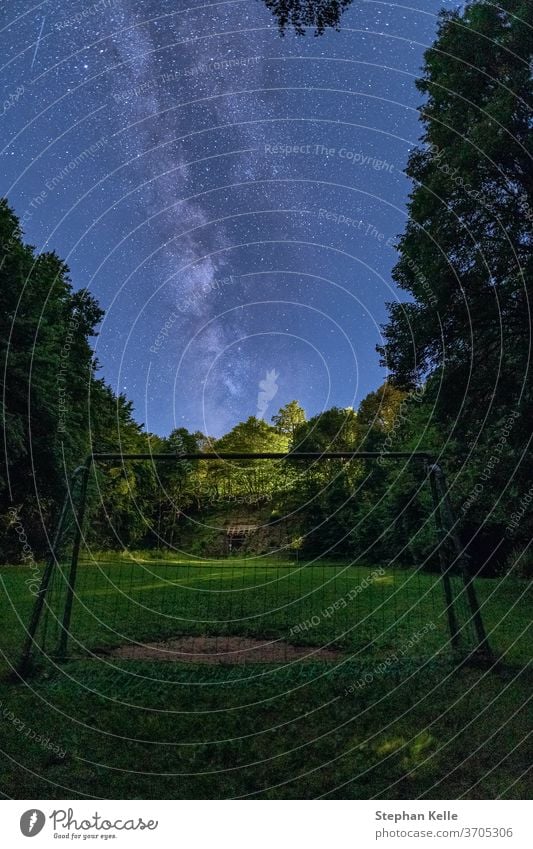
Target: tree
column 332, row 430
column 466, row 256
column 46, row 363
column 248, row 477
column 466, row 253
column 122, row 497
column 177, row 486
column 288, row 418
column 378, row 412
column 324, row 487
column 55, row 409
column 302, row 14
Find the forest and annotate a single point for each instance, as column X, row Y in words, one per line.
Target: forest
column 455, row 351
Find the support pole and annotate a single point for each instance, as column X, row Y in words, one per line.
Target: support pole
column 71, row 583
column 483, row 647
column 25, row 660
column 445, row 566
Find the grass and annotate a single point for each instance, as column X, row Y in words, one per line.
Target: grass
column 415, row 727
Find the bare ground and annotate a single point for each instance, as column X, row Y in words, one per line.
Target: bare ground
column 222, row 650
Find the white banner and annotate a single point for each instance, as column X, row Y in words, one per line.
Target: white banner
column 271, row 825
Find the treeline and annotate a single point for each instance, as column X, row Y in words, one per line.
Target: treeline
column 466, row 264
column 376, row 510
column 54, row 407
column 56, row 410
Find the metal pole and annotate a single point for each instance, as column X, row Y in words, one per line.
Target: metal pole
column 462, row 559
column 269, row 455
column 67, row 613
column 444, row 565
column 25, row 659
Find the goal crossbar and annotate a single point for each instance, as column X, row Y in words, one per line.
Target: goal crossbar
column 268, row 455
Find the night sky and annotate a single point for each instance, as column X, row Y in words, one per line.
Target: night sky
column 230, row 197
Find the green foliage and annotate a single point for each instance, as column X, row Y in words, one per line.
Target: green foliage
column 248, row 477
column 467, row 245
column 288, row 418
column 47, row 365
column 56, row 409
column 520, row 563
column 466, row 260
column 379, row 409
column 333, row 430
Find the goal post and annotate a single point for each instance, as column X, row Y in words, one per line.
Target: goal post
column 452, row 558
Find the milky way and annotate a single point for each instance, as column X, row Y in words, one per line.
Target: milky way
column 231, row 197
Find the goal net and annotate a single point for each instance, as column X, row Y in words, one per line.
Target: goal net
column 246, row 559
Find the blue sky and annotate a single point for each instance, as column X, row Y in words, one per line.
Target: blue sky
column 230, row 197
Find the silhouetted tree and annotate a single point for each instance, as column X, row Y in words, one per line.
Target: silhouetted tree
column 304, row 14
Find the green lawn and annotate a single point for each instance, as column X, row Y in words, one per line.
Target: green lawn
column 276, row 600
column 416, row 726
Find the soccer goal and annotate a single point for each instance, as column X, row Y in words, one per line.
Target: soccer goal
column 256, row 558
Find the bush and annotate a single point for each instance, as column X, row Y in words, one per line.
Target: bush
column 520, row 563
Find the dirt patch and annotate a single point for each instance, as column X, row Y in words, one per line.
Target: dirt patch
column 226, row 650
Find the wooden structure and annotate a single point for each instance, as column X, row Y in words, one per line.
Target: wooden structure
column 237, row 532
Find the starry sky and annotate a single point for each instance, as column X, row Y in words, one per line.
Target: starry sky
column 230, row 197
